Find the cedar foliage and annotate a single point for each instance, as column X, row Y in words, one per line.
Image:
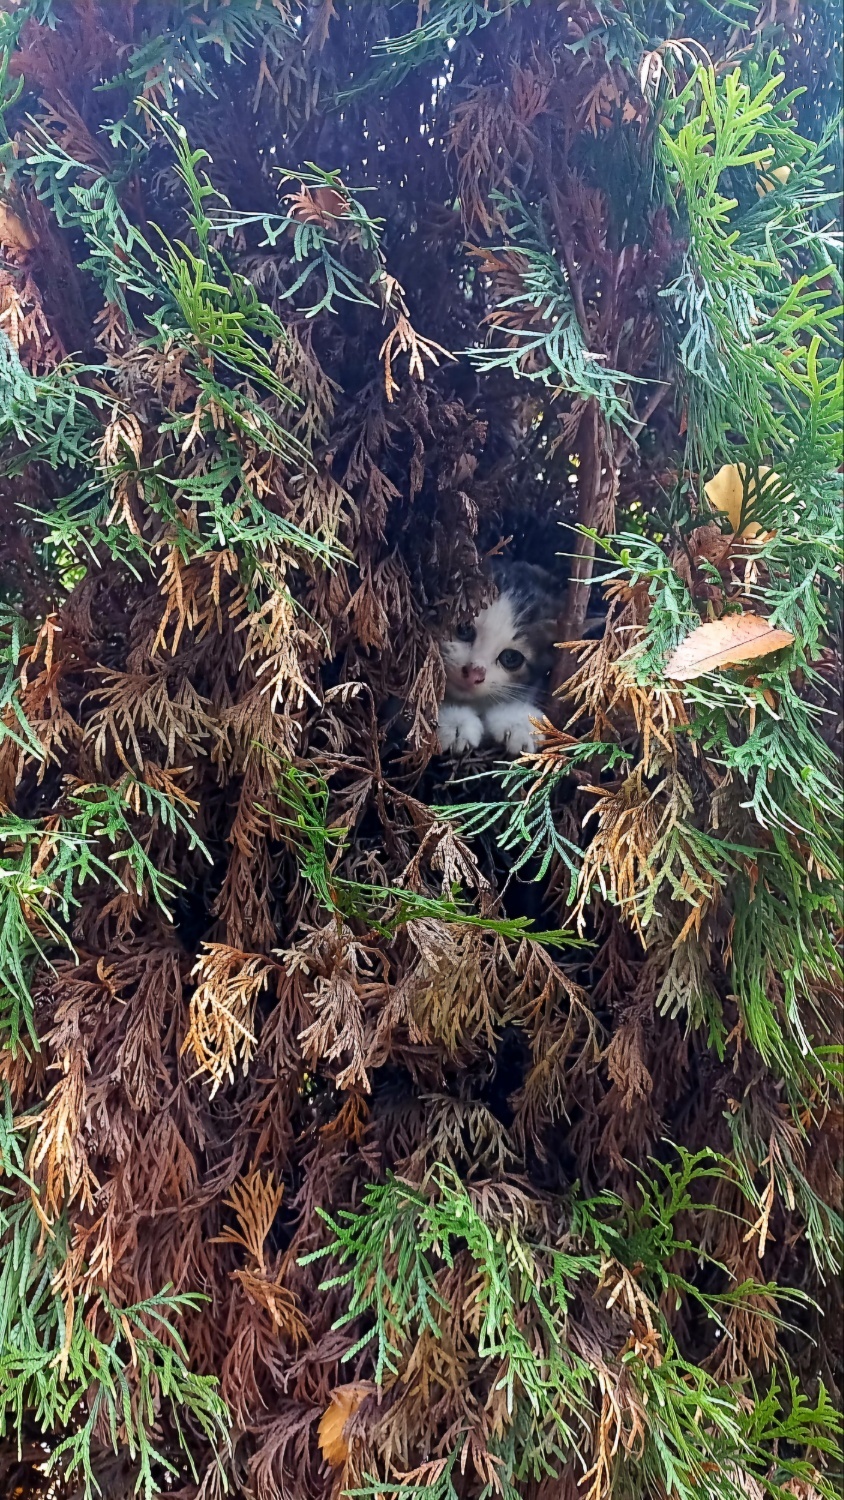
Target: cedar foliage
column 375, row 1125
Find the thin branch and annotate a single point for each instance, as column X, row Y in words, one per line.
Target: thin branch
column 654, row 401
column 573, row 614
column 553, row 194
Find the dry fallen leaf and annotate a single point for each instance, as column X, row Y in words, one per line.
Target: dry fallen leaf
column 14, row 232
column 725, row 643
column 725, row 492
column 345, row 1400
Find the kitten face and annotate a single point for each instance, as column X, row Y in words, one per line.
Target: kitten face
column 507, row 648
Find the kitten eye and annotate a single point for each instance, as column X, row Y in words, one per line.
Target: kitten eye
column 511, row 660
column 465, row 633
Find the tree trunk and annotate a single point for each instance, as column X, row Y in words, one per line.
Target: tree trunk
column 591, row 494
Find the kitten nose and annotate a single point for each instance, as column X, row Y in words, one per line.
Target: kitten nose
column 475, row 675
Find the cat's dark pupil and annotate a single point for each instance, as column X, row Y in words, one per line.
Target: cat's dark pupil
column 466, row 632
column 511, row 660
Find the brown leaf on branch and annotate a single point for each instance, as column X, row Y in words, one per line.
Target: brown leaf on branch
column 725, row 643
column 403, row 339
column 322, row 16
column 256, row 1201
column 222, row 1012
column 769, row 181
column 320, row 205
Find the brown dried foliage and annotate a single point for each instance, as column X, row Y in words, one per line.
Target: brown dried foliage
column 209, row 1084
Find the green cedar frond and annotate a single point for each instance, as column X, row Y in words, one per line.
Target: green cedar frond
column 523, row 821
column 51, row 416
column 393, row 1251
column 103, row 812
column 35, row 907
column 316, row 241
column 177, row 56
column 13, row 722
column 565, row 360
column 396, row 57
column 195, row 300
column 744, row 335
column 107, row 1372
column 447, row 20
column 319, row 846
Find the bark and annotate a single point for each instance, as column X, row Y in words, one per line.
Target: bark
column 591, row 449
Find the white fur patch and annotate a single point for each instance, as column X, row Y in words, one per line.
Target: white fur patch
column 509, row 724
column 459, row 728
column 496, row 628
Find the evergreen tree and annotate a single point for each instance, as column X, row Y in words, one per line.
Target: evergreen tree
column 372, row 1123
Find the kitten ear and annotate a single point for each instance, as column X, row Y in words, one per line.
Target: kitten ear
column 544, row 634
column 548, row 624
column 533, row 587
column 545, row 581
column 547, row 596
column 525, row 575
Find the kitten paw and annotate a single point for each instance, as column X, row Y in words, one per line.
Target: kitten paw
column 459, row 729
column 510, row 725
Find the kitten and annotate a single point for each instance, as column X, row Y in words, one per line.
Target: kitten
column 495, row 667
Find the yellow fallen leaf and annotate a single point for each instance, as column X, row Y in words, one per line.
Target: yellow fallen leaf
column 725, row 643
column 725, row 492
column 345, row 1400
column 777, row 177
column 14, row 232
